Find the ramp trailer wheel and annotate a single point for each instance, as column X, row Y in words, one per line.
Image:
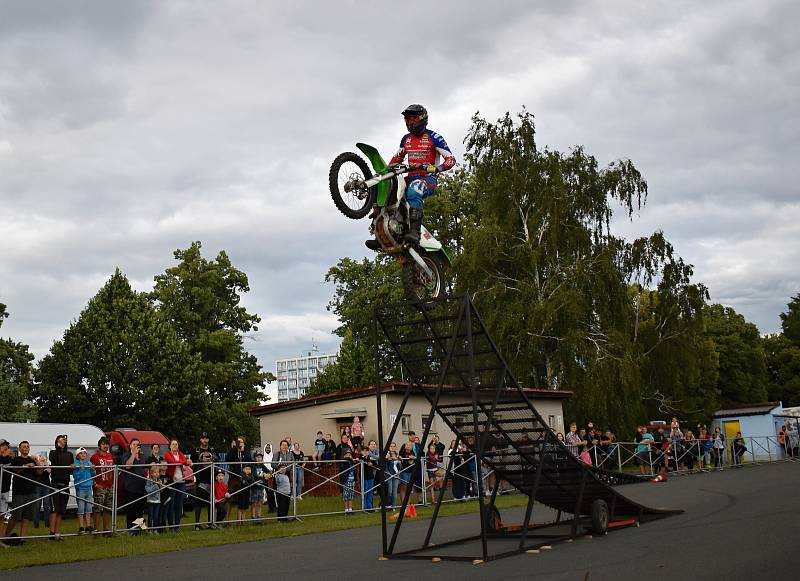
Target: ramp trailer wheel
column 599, row 517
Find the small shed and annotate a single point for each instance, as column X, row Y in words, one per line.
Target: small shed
column 759, row 421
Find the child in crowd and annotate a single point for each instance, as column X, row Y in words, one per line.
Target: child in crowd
column 357, row 434
column 348, row 481
column 391, row 476
column 221, row 496
column 330, row 448
column 258, row 488
column 243, row 498
column 43, row 490
column 152, row 489
column 83, row 473
column 407, row 462
column 319, row 449
column 283, row 489
column 431, row 466
column 584, row 456
column 299, row 471
column 368, row 466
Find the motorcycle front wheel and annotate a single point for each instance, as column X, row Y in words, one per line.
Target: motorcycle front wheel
column 416, row 283
column 346, row 178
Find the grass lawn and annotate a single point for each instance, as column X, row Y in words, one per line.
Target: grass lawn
column 85, row 548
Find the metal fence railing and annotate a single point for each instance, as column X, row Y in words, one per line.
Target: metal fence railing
column 282, row 486
column 683, row 456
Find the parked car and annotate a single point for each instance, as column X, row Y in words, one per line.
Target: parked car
column 121, row 438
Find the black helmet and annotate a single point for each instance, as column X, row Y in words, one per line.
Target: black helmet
column 416, row 118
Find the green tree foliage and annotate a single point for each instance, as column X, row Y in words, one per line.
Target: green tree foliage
column 358, row 288
column 354, row 368
column 742, row 361
column 551, row 280
column 13, row 403
column 122, row 364
column 790, row 321
column 679, row 361
column 453, row 211
column 16, row 379
column 783, row 358
column 201, row 298
column 783, row 370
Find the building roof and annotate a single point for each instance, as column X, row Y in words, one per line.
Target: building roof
column 748, row 409
column 393, row 387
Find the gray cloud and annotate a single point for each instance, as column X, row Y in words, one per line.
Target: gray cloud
column 130, row 130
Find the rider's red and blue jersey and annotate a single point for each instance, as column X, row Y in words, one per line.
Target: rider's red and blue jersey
column 424, row 149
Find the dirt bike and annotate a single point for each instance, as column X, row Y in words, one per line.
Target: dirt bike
column 356, row 190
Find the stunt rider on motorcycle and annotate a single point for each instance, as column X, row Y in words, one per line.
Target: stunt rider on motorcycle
column 423, row 147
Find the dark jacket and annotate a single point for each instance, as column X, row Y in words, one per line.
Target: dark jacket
column 61, row 457
column 236, row 469
column 134, row 477
column 5, row 485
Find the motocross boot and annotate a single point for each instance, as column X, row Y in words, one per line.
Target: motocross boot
column 372, row 244
column 415, row 219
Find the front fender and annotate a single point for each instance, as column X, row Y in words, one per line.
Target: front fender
column 380, row 166
column 442, row 253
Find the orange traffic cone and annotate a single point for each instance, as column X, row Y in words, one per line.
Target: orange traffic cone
column 411, row 511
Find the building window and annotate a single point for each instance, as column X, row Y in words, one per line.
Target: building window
column 551, row 421
column 425, row 423
column 405, row 423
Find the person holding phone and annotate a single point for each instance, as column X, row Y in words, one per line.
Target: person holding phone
column 134, row 478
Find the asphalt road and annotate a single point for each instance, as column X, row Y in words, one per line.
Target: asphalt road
column 738, row 524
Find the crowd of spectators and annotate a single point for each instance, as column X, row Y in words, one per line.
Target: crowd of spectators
column 667, row 446
column 237, row 485
column 154, row 485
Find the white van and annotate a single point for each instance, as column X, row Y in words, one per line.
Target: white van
column 42, row 438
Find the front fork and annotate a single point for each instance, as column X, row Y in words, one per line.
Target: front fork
column 418, row 259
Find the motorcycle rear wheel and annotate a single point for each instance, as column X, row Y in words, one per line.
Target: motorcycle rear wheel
column 416, row 285
column 349, row 169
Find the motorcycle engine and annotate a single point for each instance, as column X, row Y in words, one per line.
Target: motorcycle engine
column 395, row 226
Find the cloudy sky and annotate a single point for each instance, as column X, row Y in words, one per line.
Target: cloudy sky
column 130, row 129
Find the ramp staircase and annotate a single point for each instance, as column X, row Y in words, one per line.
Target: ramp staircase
column 452, row 360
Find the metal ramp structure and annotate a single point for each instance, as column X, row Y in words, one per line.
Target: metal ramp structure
column 451, row 359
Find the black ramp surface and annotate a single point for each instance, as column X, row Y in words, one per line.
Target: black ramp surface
column 446, row 348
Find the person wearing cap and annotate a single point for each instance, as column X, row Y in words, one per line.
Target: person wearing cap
column 61, row 461
column 221, row 497
column 24, row 497
column 103, row 462
column 202, row 458
column 6, row 456
column 83, row 474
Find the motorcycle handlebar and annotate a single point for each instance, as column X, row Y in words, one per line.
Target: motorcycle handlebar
column 402, row 168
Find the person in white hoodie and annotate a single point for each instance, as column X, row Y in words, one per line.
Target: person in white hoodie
column 269, row 480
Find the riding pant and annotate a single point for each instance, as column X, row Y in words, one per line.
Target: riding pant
column 418, row 189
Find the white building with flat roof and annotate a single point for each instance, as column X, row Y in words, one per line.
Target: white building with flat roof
column 296, row 374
